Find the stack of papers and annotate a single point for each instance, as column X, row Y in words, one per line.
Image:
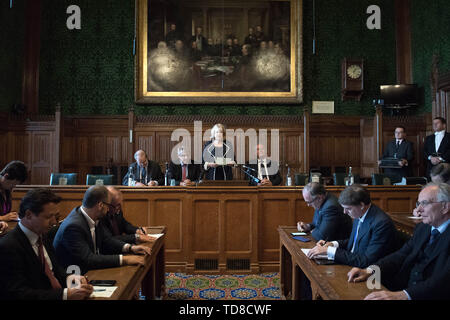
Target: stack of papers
column 320, row 256
column 414, row 217
column 102, row 292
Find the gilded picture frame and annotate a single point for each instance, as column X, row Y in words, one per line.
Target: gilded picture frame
column 218, row 52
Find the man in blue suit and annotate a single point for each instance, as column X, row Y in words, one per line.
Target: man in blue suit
column 421, row 268
column 373, row 235
column 329, row 221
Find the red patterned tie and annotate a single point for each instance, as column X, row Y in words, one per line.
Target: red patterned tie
column 53, row 281
column 184, row 172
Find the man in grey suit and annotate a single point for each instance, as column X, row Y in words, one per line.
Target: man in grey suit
column 80, row 242
column 329, row 221
column 373, row 235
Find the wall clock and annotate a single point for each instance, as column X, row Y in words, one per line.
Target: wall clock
column 352, row 79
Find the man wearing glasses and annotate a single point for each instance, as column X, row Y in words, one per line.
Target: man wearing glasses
column 80, row 241
column 329, row 221
column 421, row 268
column 117, row 226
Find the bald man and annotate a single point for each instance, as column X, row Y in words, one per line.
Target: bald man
column 116, row 225
column 146, row 172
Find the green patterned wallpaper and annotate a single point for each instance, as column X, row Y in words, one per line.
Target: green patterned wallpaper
column 90, row 71
column 430, row 35
column 12, row 33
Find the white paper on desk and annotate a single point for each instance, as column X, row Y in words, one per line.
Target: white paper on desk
column 415, row 218
column 103, row 294
column 320, row 256
column 156, row 235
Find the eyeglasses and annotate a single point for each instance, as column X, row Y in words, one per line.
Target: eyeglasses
column 310, row 202
column 424, row 203
column 108, row 204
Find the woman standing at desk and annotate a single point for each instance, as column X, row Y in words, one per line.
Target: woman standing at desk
column 218, row 156
column 13, row 174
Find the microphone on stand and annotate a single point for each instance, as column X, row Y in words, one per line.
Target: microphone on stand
column 255, row 179
column 248, row 168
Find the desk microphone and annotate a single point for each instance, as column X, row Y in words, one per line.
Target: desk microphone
column 248, row 168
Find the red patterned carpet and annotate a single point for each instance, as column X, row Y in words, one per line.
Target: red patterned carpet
column 182, row 286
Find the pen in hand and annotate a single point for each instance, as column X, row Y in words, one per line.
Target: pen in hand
column 143, row 230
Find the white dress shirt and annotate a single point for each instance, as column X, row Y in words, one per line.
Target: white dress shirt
column 331, row 250
column 33, row 238
column 439, row 135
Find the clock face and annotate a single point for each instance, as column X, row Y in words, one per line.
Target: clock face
column 354, row 71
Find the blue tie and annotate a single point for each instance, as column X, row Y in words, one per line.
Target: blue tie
column 356, row 236
column 434, row 235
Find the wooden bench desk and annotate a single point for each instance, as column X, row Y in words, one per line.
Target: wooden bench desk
column 151, row 276
column 405, row 223
column 328, row 282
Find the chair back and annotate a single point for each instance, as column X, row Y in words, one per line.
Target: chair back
column 63, row 179
column 100, row 179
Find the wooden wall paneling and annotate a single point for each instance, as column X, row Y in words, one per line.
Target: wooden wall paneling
column 146, row 142
column 42, row 149
column 369, row 155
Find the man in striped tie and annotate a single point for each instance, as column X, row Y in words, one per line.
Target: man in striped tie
column 29, row 269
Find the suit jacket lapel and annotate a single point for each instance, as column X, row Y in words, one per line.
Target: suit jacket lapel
column 86, row 224
column 25, row 243
column 441, row 242
column 365, row 226
column 443, row 142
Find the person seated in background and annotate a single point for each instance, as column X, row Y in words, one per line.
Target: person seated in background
column 441, row 173
column 13, row 173
column 29, row 269
column 264, row 169
column 144, row 171
column 118, row 226
column 329, row 221
column 401, row 149
column 80, row 241
column 215, row 153
column 420, row 270
column 373, row 235
column 186, row 173
column 212, row 49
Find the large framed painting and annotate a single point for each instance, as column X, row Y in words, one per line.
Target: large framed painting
column 219, row 51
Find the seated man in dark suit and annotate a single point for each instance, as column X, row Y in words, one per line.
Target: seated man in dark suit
column 144, row 171
column 186, row 173
column 80, row 242
column 329, row 220
column 421, row 268
column 264, row 169
column 117, row 226
column 436, row 148
column 401, row 149
column 441, row 173
column 373, row 235
column 29, row 269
